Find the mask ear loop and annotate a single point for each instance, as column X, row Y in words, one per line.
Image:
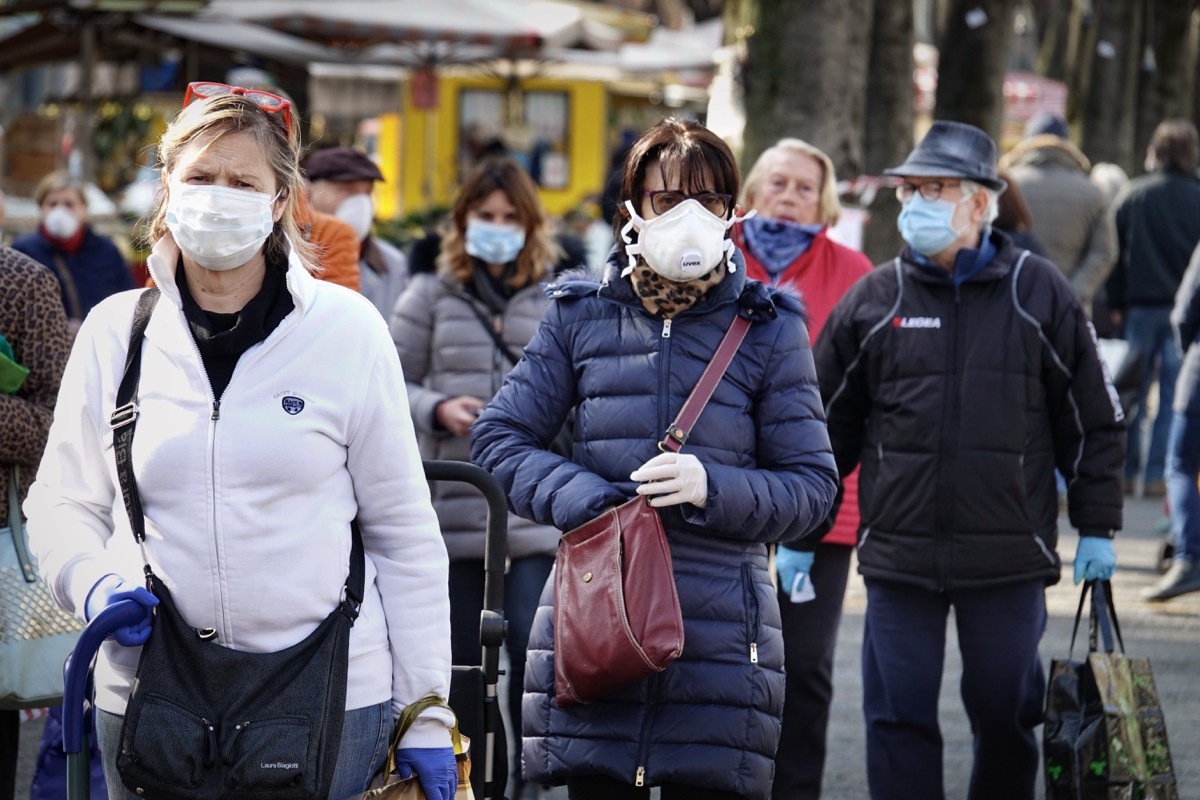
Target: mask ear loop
column 632, row 249
column 729, row 245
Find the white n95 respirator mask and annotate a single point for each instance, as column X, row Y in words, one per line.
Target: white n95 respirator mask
column 684, row 244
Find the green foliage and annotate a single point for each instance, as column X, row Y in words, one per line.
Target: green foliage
column 402, row 231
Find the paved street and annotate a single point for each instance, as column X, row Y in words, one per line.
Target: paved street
column 1168, row 634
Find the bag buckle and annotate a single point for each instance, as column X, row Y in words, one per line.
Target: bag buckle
column 124, row 415
column 677, row 434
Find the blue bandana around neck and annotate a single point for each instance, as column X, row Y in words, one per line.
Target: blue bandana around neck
column 967, row 262
column 776, row 244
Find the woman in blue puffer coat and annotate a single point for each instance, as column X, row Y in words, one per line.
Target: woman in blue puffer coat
column 624, row 351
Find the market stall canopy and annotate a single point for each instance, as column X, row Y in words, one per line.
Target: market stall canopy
column 57, row 37
column 691, row 48
column 417, row 31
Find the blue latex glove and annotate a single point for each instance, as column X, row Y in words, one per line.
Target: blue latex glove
column 1095, row 559
column 790, row 563
column 435, row 768
column 112, row 588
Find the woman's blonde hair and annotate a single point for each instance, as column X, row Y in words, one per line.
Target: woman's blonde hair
column 829, row 207
column 539, row 252
column 203, row 122
column 57, row 181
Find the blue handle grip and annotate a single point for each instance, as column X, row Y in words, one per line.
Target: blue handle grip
column 77, row 673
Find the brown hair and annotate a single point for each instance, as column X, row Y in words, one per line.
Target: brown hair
column 57, row 181
column 1175, row 145
column 681, row 148
column 203, row 122
column 503, row 174
column 1012, row 211
column 829, row 207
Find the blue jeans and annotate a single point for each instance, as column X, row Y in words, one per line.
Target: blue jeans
column 1183, row 471
column 522, row 589
column 1003, row 687
column 1148, row 328
column 366, row 734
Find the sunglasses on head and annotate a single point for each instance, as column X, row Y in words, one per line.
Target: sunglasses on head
column 271, row 103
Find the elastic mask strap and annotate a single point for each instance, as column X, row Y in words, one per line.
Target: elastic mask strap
column 729, row 245
column 632, row 249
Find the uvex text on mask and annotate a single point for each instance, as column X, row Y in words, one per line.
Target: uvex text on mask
column 681, row 245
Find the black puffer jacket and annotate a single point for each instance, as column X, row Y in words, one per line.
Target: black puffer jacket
column 959, row 402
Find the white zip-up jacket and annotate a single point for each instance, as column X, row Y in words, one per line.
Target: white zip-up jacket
column 248, row 497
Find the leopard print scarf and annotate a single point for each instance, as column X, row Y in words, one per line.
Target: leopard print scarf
column 663, row 298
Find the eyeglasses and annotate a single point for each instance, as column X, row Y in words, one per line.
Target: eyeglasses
column 271, row 103
column 930, row 191
column 663, row 201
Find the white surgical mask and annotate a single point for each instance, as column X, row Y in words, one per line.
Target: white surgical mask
column 359, row 211
column 684, row 244
column 494, row 242
column 61, row 223
column 219, row 227
column 928, row 225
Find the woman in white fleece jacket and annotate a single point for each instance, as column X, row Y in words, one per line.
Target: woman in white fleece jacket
column 272, row 412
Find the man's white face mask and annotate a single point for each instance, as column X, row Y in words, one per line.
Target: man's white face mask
column 359, row 211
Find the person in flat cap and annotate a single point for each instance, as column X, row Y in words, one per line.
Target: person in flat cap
column 1070, row 214
column 342, row 180
column 959, row 375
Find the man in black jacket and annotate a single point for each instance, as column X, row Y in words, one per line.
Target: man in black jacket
column 959, row 376
column 1158, row 226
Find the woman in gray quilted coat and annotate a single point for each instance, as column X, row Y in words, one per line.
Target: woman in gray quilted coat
column 458, row 334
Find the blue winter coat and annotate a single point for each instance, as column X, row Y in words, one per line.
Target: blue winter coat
column 97, row 267
column 712, row 718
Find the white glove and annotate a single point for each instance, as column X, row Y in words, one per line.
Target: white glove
column 678, row 477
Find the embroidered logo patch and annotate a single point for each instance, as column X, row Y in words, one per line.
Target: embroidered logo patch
column 293, row 405
column 916, row 322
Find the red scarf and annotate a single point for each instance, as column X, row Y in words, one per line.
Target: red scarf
column 822, row 274
column 69, row 246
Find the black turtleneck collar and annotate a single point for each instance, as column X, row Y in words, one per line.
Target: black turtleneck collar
column 222, row 338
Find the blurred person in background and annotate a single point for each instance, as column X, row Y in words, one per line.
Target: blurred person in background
column 335, row 243
column 342, row 180
column 1158, row 227
column 33, row 324
column 1183, row 447
column 1013, row 217
column 1111, row 180
column 1068, row 214
column 459, row 333
column 89, row 266
column 793, row 189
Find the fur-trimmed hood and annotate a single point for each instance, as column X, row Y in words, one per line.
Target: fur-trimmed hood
column 1045, row 150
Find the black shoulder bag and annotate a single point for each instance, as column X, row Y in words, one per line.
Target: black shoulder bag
column 563, row 443
column 205, row 721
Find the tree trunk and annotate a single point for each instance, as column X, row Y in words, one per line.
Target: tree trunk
column 972, row 60
column 806, row 77
column 889, row 119
column 1164, row 90
column 1105, row 53
column 1052, row 18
